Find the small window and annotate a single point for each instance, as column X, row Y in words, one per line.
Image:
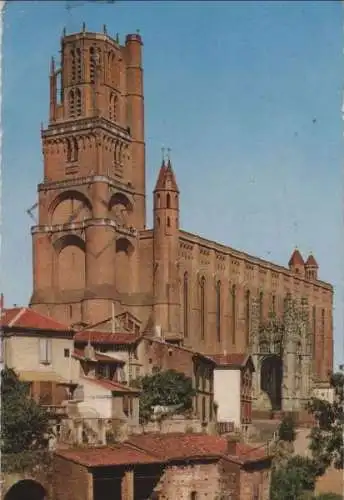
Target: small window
column 45, row 351
column 66, row 353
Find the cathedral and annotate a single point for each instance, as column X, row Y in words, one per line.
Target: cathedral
column 94, row 258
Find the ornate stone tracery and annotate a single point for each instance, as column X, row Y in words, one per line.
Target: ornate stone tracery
column 282, row 352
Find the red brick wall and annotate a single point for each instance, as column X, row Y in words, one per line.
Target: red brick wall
column 71, row 481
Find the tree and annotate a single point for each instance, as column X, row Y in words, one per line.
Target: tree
column 286, row 430
column 294, row 480
column 326, row 438
column 164, row 388
column 24, row 424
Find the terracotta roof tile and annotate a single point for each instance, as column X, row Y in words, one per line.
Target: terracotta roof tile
column 106, row 456
column 176, row 347
column 99, row 357
column 296, row 259
column 170, row 447
column 106, row 337
column 311, row 261
column 111, row 385
column 231, row 359
column 162, row 448
column 24, row 317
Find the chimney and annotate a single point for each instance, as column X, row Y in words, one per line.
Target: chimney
column 89, row 352
column 232, row 441
column 1, row 302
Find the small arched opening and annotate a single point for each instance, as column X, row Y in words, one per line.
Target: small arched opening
column 120, row 208
column 71, row 263
column 26, row 489
column 69, row 207
column 124, row 252
column 271, row 375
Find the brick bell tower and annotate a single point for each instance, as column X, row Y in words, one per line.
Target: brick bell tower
column 92, row 200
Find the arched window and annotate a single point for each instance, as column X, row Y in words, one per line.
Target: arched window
column 218, row 310
column 186, row 304
column 168, row 200
column 233, row 293
column 71, row 103
column 247, row 315
column 78, row 105
column 261, row 308
column 113, row 107
column 72, row 149
column 314, row 327
column 92, row 61
column 202, row 307
column 158, row 221
column 72, row 66
column 168, row 222
column 158, row 200
column 78, row 64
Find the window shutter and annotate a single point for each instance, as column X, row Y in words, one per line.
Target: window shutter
column 42, row 350
column 49, row 350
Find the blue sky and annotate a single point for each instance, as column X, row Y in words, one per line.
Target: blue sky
column 248, row 96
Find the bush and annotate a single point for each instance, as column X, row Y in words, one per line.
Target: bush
column 286, row 430
column 294, row 480
column 165, row 388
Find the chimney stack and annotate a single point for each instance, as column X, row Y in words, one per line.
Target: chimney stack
column 232, row 440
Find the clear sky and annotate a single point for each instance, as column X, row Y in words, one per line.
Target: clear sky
column 248, row 96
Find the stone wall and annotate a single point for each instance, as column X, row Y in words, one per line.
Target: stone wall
column 71, row 481
column 169, row 425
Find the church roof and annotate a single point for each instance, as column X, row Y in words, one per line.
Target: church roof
column 296, row 259
column 311, row 262
column 166, row 178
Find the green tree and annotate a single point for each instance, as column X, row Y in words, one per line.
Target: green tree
column 326, row 438
column 24, row 424
column 286, row 430
column 294, row 480
column 165, row 388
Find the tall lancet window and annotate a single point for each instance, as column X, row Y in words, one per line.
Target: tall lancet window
column 202, row 307
column 78, row 64
column 72, row 66
column 218, row 310
column 314, row 327
column 233, row 293
column 247, row 315
column 186, row 304
column 261, row 307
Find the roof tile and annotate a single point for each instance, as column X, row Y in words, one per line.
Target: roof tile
column 95, row 337
column 111, row 385
column 107, row 456
column 231, row 359
column 26, row 318
column 99, row 357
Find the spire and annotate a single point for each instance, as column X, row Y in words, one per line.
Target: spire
column 311, row 262
column 52, row 66
column 166, row 179
column 296, row 259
